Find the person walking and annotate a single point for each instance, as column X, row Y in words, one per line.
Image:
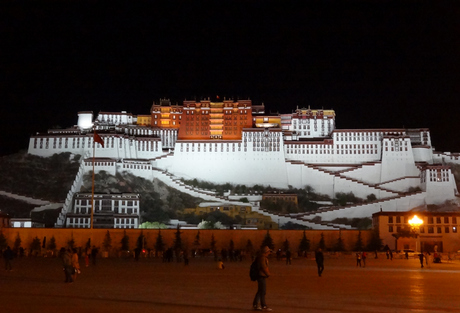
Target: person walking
column 358, row 259
column 364, row 257
column 67, row 264
column 8, row 256
column 75, row 264
column 94, row 252
column 421, row 258
column 319, row 258
column 264, row 273
column 288, row 257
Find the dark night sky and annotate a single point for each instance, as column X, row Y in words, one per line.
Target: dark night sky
column 378, row 64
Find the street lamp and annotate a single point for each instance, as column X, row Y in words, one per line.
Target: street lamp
column 415, row 224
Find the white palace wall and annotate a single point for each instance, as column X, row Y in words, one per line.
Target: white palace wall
column 227, row 162
column 369, row 173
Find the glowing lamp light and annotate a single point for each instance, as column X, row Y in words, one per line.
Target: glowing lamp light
column 415, row 221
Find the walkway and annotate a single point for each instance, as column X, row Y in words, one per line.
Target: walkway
column 122, row 285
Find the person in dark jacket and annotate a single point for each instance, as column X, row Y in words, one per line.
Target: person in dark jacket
column 67, row 264
column 319, row 257
column 8, row 256
column 264, row 273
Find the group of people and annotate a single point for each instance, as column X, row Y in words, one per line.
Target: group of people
column 361, row 259
column 70, row 263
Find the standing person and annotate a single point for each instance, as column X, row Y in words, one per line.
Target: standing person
column 67, row 264
column 94, row 252
column 421, row 257
column 319, row 257
column 364, row 256
column 8, row 256
column 75, row 264
column 288, row 257
column 358, row 259
column 220, row 264
column 87, row 255
column 427, row 259
column 264, row 273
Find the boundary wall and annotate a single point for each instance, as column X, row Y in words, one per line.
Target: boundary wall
column 222, row 237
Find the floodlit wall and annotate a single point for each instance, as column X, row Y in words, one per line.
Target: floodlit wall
column 222, row 237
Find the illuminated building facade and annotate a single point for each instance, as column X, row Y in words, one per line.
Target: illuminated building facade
column 110, row 211
column 439, row 230
column 236, row 142
column 207, row 120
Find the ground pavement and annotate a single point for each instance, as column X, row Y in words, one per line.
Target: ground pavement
column 123, row 285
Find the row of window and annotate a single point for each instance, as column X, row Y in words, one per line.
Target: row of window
column 429, row 229
column 429, row 219
column 360, row 136
column 435, row 175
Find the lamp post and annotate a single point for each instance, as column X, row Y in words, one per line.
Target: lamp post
column 415, row 224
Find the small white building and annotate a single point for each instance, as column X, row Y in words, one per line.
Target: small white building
column 114, row 210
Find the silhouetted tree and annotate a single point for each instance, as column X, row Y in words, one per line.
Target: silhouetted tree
column 213, row 247
column 340, row 245
column 178, row 245
column 141, row 241
column 107, row 243
column 17, row 244
column 196, row 243
column 322, row 243
column 250, row 248
column 51, row 244
column 268, row 241
column 359, row 243
column 286, row 245
column 71, row 242
column 177, row 239
column 304, row 244
column 375, row 242
column 35, row 246
column 125, row 242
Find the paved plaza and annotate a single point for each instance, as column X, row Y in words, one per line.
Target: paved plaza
column 123, row 285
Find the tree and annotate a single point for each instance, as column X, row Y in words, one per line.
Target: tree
column 153, row 225
column 268, row 241
column 213, row 247
column 141, row 241
column 159, row 244
column 88, row 244
column 304, row 244
column 250, row 248
column 107, row 243
column 178, row 245
column 322, row 243
column 17, row 244
column 371, row 197
column 35, row 246
column 51, row 244
column 196, row 243
column 286, row 245
column 359, row 243
column 3, row 243
column 71, row 242
column 125, row 242
column 375, row 242
column 340, row 245
column 231, row 245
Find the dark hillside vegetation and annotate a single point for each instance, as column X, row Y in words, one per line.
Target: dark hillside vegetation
column 37, row 177
column 158, row 202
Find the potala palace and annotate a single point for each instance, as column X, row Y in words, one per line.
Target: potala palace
column 227, row 141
